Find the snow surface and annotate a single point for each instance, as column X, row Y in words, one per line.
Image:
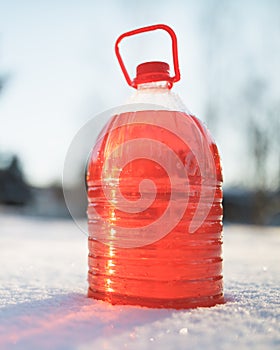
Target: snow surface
column 43, row 303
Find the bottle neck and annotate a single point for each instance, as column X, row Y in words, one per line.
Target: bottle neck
column 157, row 95
column 161, row 86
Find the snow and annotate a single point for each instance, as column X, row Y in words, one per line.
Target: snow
column 43, row 303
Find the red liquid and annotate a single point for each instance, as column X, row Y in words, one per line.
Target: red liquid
column 180, row 269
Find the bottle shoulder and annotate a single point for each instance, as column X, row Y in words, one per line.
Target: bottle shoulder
column 162, row 98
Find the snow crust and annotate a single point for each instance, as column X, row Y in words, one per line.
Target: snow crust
column 43, row 303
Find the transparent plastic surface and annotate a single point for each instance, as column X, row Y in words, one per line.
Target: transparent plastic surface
column 155, row 209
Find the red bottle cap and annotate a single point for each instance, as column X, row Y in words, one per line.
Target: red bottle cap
column 152, row 71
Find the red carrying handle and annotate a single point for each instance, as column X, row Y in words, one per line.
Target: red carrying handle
column 172, row 34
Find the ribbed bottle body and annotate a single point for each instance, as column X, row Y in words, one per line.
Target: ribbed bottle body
column 155, row 212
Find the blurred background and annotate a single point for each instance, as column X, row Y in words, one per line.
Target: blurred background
column 58, row 69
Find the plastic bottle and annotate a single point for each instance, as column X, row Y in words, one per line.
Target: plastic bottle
column 154, row 199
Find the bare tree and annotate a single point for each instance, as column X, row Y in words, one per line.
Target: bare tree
column 274, row 119
column 259, row 149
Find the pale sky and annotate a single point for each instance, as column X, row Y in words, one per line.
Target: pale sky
column 59, row 56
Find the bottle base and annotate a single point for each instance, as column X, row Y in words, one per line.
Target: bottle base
column 181, row 303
